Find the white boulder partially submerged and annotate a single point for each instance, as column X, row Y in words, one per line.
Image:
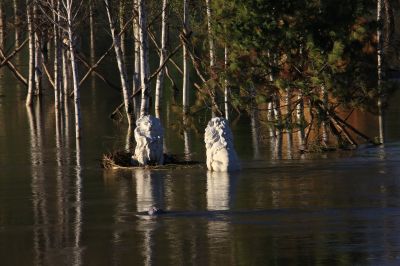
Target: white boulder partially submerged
column 149, row 141
column 221, row 155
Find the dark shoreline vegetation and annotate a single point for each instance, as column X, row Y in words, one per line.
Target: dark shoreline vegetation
column 303, row 66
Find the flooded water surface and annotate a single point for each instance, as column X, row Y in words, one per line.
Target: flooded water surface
column 59, row 207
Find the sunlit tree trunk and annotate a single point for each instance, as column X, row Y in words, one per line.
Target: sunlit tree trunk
column 226, row 84
column 57, row 57
column 65, row 72
column 379, row 12
column 16, row 21
column 2, row 25
column 144, row 60
column 277, row 107
column 121, row 63
column 185, row 86
column 160, row 76
column 136, row 65
column 91, row 27
column 121, row 26
column 31, row 61
column 38, row 51
column 210, row 34
column 288, row 107
column 325, row 136
column 300, row 121
column 74, row 66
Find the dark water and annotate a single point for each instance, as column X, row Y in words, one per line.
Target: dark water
column 59, row 207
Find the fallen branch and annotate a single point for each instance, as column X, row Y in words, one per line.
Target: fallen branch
column 9, row 57
column 13, row 69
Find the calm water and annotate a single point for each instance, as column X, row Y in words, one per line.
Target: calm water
column 59, row 207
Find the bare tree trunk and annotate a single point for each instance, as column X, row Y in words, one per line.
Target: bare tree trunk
column 379, row 12
column 210, row 34
column 300, row 121
column 144, row 60
column 121, row 63
column 57, row 57
column 91, row 26
column 288, row 107
column 65, row 72
column 136, row 65
column 160, row 76
column 74, row 66
column 277, row 107
column 185, row 86
column 31, row 63
column 38, row 51
column 226, row 84
column 2, row 25
column 16, row 22
column 121, row 25
column 325, row 136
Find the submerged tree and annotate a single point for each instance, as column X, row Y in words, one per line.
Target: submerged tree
column 120, row 60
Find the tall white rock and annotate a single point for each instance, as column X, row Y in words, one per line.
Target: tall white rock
column 149, row 141
column 221, row 154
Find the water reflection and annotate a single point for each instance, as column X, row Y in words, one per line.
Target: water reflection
column 56, row 230
column 220, row 190
column 220, row 196
column 149, row 192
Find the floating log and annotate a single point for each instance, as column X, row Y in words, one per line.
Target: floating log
column 123, row 160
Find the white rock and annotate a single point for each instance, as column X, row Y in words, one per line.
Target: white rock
column 221, row 155
column 149, row 141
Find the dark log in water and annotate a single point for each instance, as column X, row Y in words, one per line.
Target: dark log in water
column 123, row 160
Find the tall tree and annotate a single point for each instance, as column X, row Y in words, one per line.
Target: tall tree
column 144, row 58
column 31, row 61
column 121, row 63
column 160, row 76
column 185, row 85
column 2, row 25
column 71, row 13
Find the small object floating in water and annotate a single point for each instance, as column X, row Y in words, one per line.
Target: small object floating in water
column 153, row 210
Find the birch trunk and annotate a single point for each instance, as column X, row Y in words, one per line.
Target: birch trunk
column 277, row 107
column 160, row 76
column 31, row 63
column 379, row 12
column 57, row 57
column 300, row 121
column 136, row 34
column 74, row 66
column 136, row 54
column 185, row 85
column 16, row 22
column 65, row 73
column 325, row 137
column 2, row 25
column 226, row 84
column 38, row 51
column 91, row 26
column 210, row 34
column 121, row 25
column 288, row 107
column 144, row 60
column 121, row 63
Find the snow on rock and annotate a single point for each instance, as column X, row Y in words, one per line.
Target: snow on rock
column 149, row 141
column 221, row 155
